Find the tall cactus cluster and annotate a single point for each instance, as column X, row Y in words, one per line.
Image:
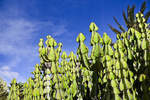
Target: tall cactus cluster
column 14, row 91
column 111, row 72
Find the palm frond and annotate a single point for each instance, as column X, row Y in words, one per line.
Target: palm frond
column 114, row 30
column 125, row 19
column 121, row 28
column 143, row 7
column 131, row 14
column 147, row 15
column 128, row 11
column 128, row 16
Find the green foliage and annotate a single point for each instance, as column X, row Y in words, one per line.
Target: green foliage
column 3, row 90
column 14, row 91
column 118, row 72
column 130, row 19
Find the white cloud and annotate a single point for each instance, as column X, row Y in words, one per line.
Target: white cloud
column 5, row 68
column 8, row 74
column 17, row 41
column 15, row 34
column 18, row 37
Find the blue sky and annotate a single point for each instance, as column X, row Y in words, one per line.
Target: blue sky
column 24, row 22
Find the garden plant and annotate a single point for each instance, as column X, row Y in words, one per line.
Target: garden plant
column 110, row 72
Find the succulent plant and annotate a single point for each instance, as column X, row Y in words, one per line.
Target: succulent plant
column 111, row 72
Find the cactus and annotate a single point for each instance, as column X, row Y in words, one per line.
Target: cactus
column 82, row 50
column 37, row 80
column 14, row 91
column 111, row 72
column 25, row 91
column 30, row 88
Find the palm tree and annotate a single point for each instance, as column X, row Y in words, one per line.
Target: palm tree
column 130, row 20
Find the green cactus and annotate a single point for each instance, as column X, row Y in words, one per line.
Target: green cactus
column 47, row 84
column 112, row 72
column 25, row 91
column 82, row 50
column 30, row 88
column 37, row 80
column 14, row 91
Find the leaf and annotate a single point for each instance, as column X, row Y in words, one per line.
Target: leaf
column 58, row 95
column 65, row 85
column 64, row 55
column 104, row 79
column 121, row 28
column 110, row 50
column 117, row 65
column 47, row 71
column 109, row 64
column 90, row 84
column 143, row 7
column 131, row 80
column 131, row 12
column 139, row 43
column 51, row 54
column 144, row 44
column 99, row 80
column 116, row 91
column 120, row 74
column 59, row 78
column 113, row 83
column 108, row 58
column 138, row 35
column 121, row 85
column 47, row 83
column 80, row 37
column 53, row 69
column 121, row 54
column 93, row 27
column 106, row 38
column 129, row 95
column 73, row 76
column 115, row 46
column 74, row 88
column 120, row 44
column 114, row 30
column 147, row 15
column 129, row 54
column 142, row 77
column 124, row 63
column 131, row 73
column 116, row 54
column 125, row 73
column 103, row 58
column 126, row 42
column 125, row 19
column 111, row 76
column 55, row 78
column 41, row 43
column 52, row 42
column 117, row 97
column 96, row 50
column 128, row 84
column 96, row 37
column 84, row 79
column 84, row 49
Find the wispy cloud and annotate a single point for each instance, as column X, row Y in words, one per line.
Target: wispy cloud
column 8, row 74
column 18, row 35
column 16, row 45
